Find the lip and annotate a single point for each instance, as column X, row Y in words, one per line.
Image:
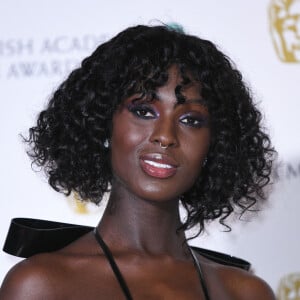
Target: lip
column 158, row 165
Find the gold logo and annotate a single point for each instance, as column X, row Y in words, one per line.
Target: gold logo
column 289, row 287
column 284, row 18
column 79, row 206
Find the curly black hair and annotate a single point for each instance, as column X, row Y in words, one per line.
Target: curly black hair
column 68, row 141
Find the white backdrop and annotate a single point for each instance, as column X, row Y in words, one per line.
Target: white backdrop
column 40, row 42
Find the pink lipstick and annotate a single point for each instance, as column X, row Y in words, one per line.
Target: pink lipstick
column 158, row 165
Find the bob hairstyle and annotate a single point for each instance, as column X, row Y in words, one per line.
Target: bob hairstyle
column 69, row 138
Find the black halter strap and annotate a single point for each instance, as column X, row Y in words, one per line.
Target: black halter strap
column 121, row 279
column 113, row 265
column 200, row 273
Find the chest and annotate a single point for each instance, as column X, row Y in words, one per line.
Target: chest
column 146, row 280
column 143, row 282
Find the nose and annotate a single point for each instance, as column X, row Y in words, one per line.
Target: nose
column 165, row 133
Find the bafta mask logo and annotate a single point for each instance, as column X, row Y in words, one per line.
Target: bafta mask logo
column 82, row 207
column 289, row 287
column 285, row 29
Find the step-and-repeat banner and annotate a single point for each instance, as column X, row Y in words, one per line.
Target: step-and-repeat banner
column 41, row 42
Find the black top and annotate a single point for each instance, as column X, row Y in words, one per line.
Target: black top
column 27, row 237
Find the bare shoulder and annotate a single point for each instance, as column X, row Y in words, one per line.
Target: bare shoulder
column 30, row 279
column 248, row 286
column 47, row 275
column 240, row 284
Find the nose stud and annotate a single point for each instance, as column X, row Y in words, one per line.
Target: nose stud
column 162, row 146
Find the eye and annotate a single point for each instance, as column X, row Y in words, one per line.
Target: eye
column 143, row 111
column 194, row 121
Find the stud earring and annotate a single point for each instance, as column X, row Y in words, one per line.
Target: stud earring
column 204, row 162
column 106, row 143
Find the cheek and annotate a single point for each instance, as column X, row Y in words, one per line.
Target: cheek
column 125, row 134
column 125, row 141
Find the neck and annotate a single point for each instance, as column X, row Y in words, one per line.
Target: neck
column 140, row 225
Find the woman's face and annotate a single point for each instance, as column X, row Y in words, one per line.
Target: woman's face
column 140, row 127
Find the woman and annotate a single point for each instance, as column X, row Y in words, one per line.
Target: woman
column 157, row 117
